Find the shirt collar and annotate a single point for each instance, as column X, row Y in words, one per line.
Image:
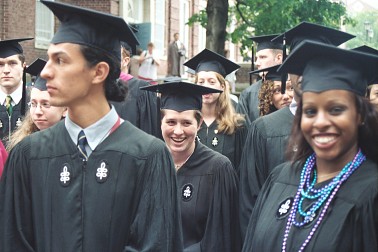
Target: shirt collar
column 96, row 132
column 16, row 96
column 293, row 106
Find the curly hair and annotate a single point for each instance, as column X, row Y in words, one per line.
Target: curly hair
column 299, row 149
column 227, row 118
column 266, row 92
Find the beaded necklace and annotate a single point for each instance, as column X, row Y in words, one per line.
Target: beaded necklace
column 306, row 190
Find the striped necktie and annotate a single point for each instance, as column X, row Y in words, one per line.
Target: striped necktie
column 81, row 142
column 8, row 104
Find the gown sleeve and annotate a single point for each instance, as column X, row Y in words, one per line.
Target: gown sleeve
column 222, row 229
column 255, row 214
column 157, row 224
column 252, row 173
column 147, row 114
column 240, row 138
column 242, row 106
column 16, row 225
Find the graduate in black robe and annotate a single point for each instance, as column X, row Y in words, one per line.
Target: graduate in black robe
column 139, row 107
column 11, row 118
column 264, row 149
column 267, row 138
column 350, row 225
column 92, row 182
column 222, row 130
column 268, row 54
column 326, row 198
column 133, row 208
column 208, row 184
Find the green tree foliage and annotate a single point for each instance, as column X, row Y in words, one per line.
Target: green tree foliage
column 364, row 36
column 260, row 17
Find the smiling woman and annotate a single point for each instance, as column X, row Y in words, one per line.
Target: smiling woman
column 325, row 198
column 208, row 185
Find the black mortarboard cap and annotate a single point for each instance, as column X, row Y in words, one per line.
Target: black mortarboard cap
column 265, row 42
column 370, row 50
column 210, row 61
column 181, row 96
column 366, row 49
column 35, row 69
column 272, row 74
column 90, row 28
column 11, row 47
column 325, row 67
column 311, row 31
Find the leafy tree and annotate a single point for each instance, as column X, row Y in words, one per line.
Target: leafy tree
column 364, row 37
column 259, row 17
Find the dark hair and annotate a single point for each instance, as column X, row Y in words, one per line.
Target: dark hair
column 21, row 57
column 299, row 149
column 115, row 90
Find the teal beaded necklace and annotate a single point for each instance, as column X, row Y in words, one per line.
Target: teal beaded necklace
column 306, row 190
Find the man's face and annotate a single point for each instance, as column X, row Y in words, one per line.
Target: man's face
column 296, row 83
column 69, row 79
column 11, row 69
column 267, row 58
column 177, row 36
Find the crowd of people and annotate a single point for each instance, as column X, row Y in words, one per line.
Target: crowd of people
column 93, row 158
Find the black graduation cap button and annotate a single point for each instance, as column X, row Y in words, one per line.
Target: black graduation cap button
column 65, row 175
column 284, row 208
column 102, row 172
column 187, row 192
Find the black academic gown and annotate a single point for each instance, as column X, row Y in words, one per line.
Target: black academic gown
column 350, row 223
column 140, row 108
column 9, row 123
column 264, row 149
column 209, row 202
column 52, row 201
column 248, row 104
column 229, row 145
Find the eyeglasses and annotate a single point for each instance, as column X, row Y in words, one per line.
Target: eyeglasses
column 44, row 105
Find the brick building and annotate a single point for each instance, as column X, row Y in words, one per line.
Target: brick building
column 157, row 21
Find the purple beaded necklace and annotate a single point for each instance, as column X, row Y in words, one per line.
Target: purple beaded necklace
column 308, row 169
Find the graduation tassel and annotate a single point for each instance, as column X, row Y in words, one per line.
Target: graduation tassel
column 23, row 99
column 283, row 76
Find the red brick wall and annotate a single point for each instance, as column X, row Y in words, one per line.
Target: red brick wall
column 15, row 24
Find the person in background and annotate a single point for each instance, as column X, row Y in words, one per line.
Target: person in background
column 92, row 182
column 268, row 54
column 223, row 130
column 208, row 184
column 270, row 96
column 12, row 94
column 149, row 64
column 41, row 114
column 176, row 57
column 139, row 107
column 268, row 136
column 325, row 198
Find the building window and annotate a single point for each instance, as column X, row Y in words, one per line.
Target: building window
column 159, row 27
column 132, row 10
column 44, row 26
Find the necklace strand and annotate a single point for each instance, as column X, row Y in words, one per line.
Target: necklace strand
column 330, row 189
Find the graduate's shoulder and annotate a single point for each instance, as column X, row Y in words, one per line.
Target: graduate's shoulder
column 254, row 88
column 213, row 159
column 133, row 141
column 276, row 124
